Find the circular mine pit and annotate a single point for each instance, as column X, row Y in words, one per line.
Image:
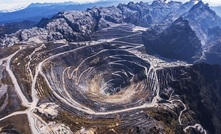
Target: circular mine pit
column 100, row 77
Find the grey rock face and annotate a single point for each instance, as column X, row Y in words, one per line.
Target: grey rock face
column 213, row 54
column 73, row 25
column 178, row 41
column 36, row 35
column 202, row 18
column 203, row 15
column 80, row 25
column 14, row 27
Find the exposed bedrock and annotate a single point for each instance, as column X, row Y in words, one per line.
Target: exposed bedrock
column 101, row 77
column 178, row 41
column 199, row 88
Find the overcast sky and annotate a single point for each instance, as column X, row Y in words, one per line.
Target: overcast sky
column 16, row 4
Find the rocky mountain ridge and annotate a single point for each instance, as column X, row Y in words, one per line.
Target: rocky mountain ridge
column 181, row 42
column 9, row 28
column 74, row 21
column 36, row 11
column 203, row 21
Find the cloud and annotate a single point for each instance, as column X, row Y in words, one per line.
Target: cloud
column 210, row 2
column 10, row 5
column 213, row 2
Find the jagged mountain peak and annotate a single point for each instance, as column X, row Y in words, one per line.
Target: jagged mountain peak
column 202, row 18
column 79, row 25
column 200, row 5
column 160, row 0
column 195, row 0
column 158, row 3
column 178, row 41
column 180, row 23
